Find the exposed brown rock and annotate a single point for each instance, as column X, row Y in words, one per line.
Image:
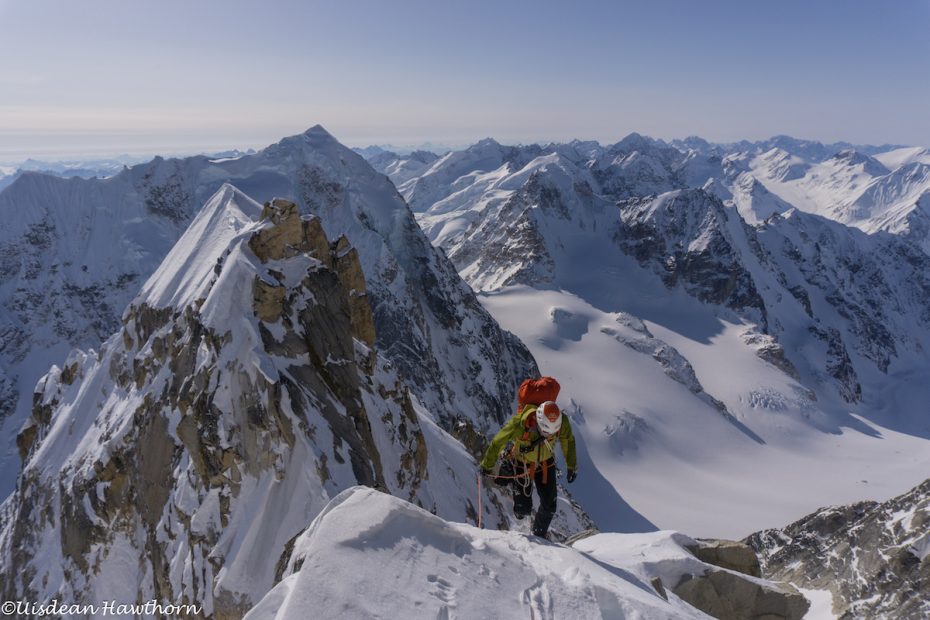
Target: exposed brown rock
column 728, row 596
column 268, row 300
column 26, row 439
column 291, row 235
column 282, row 240
column 69, row 373
column 729, row 554
column 315, row 241
column 349, row 268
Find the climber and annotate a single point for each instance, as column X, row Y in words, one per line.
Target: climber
column 526, row 448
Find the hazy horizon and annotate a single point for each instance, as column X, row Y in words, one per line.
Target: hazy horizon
column 112, row 77
column 142, row 152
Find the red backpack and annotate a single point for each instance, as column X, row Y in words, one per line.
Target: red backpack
column 538, row 391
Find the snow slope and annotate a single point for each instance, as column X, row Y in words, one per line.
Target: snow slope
column 854, row 188
column 670, row 455
column 368, row 555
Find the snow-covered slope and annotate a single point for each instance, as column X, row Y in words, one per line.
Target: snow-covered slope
column 702, row 318
column 74, row 252
column 243, row 391
column 853, row 188
column 369, row 555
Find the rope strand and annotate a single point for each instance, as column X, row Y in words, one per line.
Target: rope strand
column 479, row 500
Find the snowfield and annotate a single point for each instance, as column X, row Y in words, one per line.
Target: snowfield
column 676, row 461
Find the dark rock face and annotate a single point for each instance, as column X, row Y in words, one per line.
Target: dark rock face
column 167, row 197
column 872, row 556
column 838, row 364
column 684, row 237
column 513, row 239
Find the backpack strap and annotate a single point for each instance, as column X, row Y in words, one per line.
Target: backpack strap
column 532, row 446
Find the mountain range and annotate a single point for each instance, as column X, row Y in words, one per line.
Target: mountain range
column 691, row 301
column 200, row 358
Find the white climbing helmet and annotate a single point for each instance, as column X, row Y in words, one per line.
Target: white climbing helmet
column 548, row 418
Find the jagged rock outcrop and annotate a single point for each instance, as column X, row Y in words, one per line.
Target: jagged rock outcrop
column 633, row 333
column 871, row 556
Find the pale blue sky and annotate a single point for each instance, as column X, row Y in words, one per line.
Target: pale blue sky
column 168, row 75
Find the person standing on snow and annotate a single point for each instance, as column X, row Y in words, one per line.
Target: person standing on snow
column 527, row 441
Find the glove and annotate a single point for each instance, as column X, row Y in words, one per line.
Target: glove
column 572, row 474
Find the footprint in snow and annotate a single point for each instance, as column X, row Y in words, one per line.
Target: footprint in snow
column 443, row 589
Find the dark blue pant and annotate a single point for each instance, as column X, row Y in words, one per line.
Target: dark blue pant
column 548, row 493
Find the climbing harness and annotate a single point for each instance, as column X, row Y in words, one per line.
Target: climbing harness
column 509, row 467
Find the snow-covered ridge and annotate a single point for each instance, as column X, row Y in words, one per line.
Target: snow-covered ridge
column 370, row 555
column 189, row 269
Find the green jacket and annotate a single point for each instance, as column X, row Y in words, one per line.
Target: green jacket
column 515, row 430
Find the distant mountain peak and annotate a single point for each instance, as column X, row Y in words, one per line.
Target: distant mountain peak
column 852, row 157
column 318, row 130
column 485, row 143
